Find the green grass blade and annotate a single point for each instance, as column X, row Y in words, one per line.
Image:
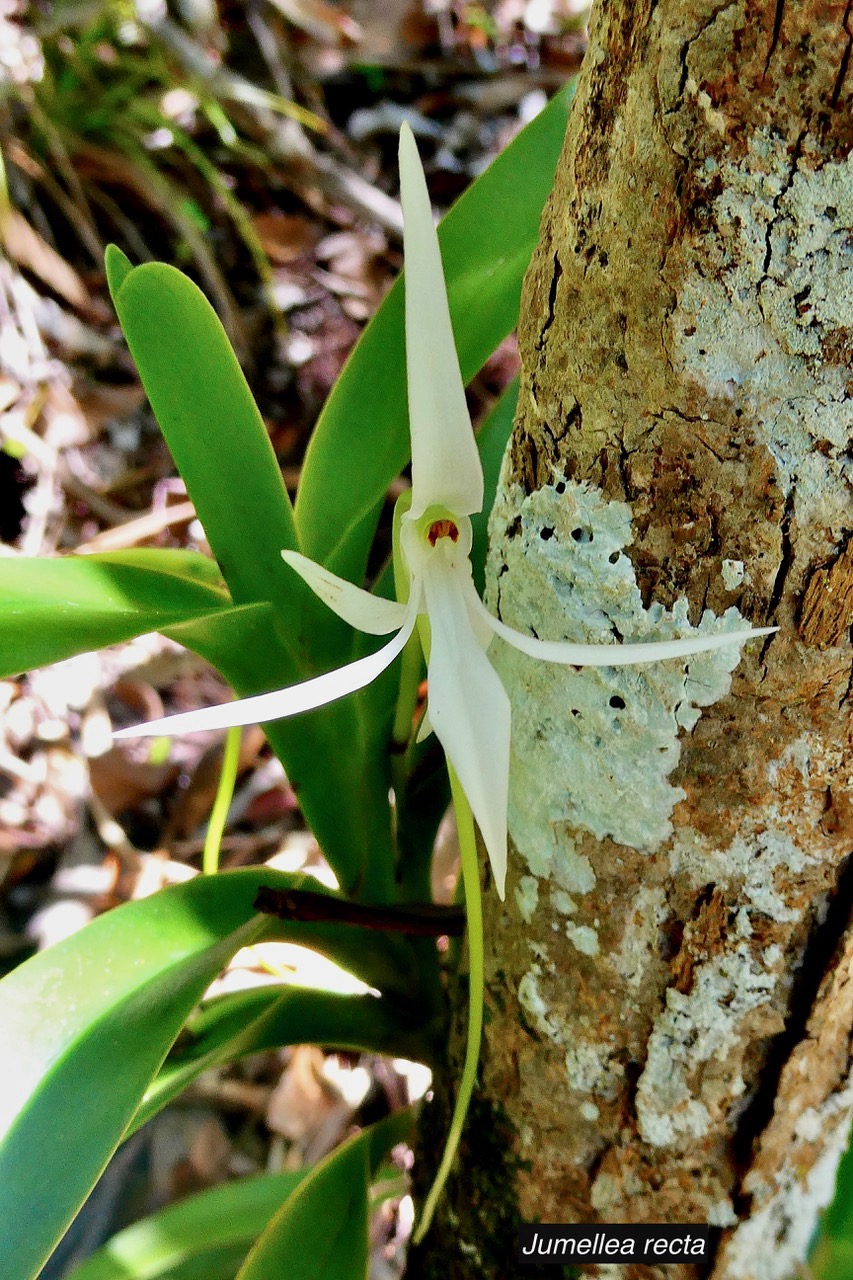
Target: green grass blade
column 361, row 441
column 204, row 1237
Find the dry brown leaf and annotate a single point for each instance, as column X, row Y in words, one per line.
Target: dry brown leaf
column 121, row 783
column 285, row 236
column 302, row 1100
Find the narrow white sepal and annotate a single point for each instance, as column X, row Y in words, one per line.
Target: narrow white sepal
column 610, row 655
column 284, row 702
column 446, row 469
column 359, row 608
column 469, row 709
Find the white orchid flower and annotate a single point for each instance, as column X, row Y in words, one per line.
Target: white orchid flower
column 467, row 706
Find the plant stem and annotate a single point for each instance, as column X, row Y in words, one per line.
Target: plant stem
column 474, row 912
column 222, row 803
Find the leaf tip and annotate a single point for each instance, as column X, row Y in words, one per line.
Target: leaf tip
column 118, row 267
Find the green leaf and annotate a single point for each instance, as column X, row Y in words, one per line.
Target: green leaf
column 118, row 267
column 220, row 445
column 205, row 1237
column 361, row 440
column 245, row 1022
column 320, row 1233
column 87, row 1024
column 212, row 426
column 51, row 609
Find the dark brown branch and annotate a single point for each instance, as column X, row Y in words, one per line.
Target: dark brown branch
column 423, row 920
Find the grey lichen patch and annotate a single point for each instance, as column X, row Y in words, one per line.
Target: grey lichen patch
column 733, row 574
column 776, row 1238
column 592, row 1068
column 592, row 749
column 772, row 852
column 583, row 938
column 691, row 1076
column 527, row 897
column 530, row 999
column 640, row 943
column 755, row 862
column 561, row 902
column 768, row 321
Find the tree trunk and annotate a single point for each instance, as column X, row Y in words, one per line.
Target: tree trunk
column 669, row 980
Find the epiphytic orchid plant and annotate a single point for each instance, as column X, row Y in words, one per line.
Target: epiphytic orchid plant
column 113, row 1011
column 467, row 707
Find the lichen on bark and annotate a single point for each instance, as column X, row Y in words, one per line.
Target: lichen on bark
column 667, row 1039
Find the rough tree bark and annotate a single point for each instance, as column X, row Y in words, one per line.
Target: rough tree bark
column 669, row 981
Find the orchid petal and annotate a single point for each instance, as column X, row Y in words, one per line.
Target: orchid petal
column 469, row 709
column 359, row 608
column 446, row 468
column 284, row 702
column 608, row 655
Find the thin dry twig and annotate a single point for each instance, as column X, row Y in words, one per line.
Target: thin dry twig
column 132, row 532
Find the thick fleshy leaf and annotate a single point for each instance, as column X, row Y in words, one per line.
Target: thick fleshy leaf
column 607, row 655
column 94, row 1016
column 205, row 1237
column 446, row 467
column 51, row 609
column 220, row 444
column 320, row 1233
column 211, row 424
column 232, row 1026
column 361, row 609
column 291, row 701
column 468, row 707
column 486, row 240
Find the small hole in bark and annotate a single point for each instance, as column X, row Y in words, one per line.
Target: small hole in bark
column 546, row 533
column 617, row 702
column 560, row 486
column 577, row 534
column 613, row 558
